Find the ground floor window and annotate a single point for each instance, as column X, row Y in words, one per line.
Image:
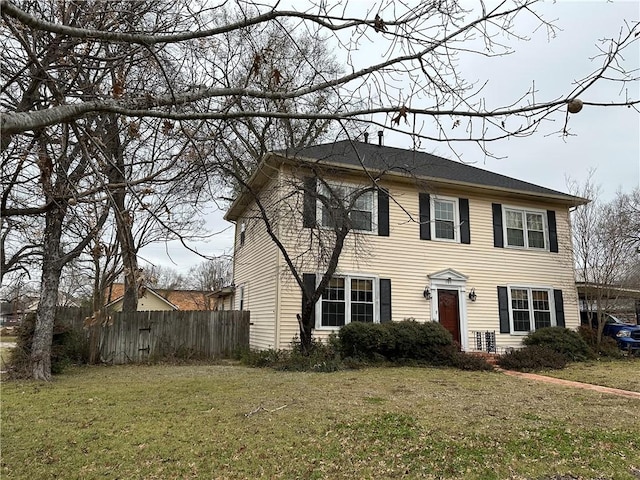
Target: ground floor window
column 530, row 309
column 348, row 299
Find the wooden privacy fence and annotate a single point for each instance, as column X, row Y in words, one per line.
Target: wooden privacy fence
column 130, row 337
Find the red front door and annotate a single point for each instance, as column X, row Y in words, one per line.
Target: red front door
column 449, row 314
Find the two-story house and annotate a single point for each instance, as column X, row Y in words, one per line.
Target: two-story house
column 486, row 255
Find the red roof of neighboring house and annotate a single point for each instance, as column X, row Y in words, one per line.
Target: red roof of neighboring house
column 183, row 299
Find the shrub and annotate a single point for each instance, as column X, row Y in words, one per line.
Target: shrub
column 470, row 362
column 533, row 358
column 561, row 340
column 364, row 341
column 607, row 347
column 68, row 347
column 323, row 357
column 397, row 342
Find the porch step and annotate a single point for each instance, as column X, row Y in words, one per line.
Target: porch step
column 490, row 358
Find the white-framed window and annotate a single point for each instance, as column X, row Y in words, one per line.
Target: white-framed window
column 243, row 228
column 361, row 206
column 525, row 228
column 241, row 298
column 445, row 224
column 348, row 298
column 531, row 308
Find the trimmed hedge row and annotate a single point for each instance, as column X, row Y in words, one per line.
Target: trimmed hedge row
column 397, row 341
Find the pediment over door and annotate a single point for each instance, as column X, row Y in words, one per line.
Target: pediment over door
column 448, row 275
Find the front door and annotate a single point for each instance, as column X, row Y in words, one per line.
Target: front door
column 449, row 313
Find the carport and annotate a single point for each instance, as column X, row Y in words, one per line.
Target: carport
column 622, row 302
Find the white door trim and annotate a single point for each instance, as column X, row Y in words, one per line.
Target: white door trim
column 450, row 279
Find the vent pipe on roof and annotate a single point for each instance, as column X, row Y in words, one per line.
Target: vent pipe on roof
column 366, row 137
column 380, row 138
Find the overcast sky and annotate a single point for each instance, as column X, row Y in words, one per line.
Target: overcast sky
column 606, row 140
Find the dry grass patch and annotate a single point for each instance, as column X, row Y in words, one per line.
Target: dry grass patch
column 5, row 355
column 623, row 373
column 177, row 422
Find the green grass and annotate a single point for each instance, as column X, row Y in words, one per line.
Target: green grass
column 232, row 422
column 624, row 374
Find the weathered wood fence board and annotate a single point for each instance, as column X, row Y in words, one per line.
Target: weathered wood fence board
column 129, row 337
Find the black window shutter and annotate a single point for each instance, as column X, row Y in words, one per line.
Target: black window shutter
column 425, row 216
column 309, row 203
column 383, row 212
column 465, row 230
column 309, row 281
column 553, row 232
column 385, row 300
column 557, row 298
column 497, row 225
column 503, row 309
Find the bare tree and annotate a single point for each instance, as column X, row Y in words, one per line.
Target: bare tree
column 605, row 243
column 421, row 44
column 166, row 278
column 57, row 171
column 211, row 275
column 342, row 218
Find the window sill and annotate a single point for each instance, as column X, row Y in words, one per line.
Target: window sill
column 363, row 232
column 529, row 249
column 445, row 240
column 328, row 329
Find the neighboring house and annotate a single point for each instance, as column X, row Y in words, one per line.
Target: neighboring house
column 13, row 313
column 222, row 299
column 438, row 240
column 160, row 299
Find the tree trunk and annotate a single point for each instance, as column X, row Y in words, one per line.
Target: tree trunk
column 98, row 308
column 124, row 218
column 305, row 319
column 52, row 264
column 305, row 324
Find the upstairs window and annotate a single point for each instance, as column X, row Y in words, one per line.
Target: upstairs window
column 526, row 229
column 243, row 228
column 359, row 206
column 444, row 219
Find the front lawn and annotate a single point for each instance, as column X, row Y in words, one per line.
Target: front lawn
column 624, row 373
column 232, row 422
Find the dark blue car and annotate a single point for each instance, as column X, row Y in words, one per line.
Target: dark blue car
column 627, row 336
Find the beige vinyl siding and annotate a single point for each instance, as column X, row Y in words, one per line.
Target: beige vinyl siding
column 255, row 271
column 408, row 261
column 148, row 302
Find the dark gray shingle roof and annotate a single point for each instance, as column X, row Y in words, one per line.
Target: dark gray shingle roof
column 411, row 162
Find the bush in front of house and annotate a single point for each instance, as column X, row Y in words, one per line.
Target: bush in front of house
column 322, row 357
column 397, row 342
column 566, row 342
column 364, row 341
column 359, row 345
column 69, row 347
column 607, row 348
column 532, row 358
